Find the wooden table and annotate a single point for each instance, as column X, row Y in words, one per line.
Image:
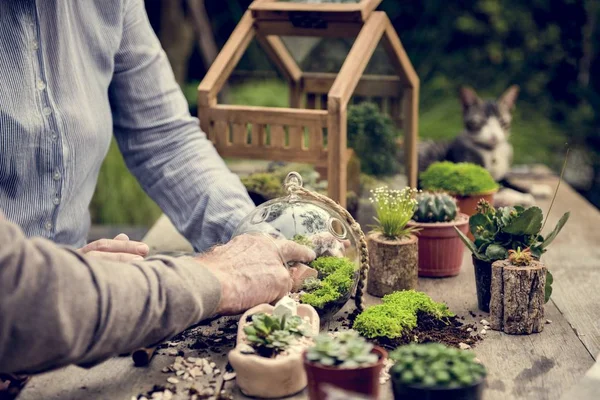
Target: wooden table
column 540, row 366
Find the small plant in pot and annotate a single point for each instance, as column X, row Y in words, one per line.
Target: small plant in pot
column 499, row 231
column 393, row 248
column 440, row 248
column 345, row 361
column 433, row 371
column 467, row 182
column 267, row 358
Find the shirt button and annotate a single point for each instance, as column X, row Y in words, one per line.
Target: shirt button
column 48, row 225
column 56, row 176
column 41, row 85
column 56, row 200
column 47, row 111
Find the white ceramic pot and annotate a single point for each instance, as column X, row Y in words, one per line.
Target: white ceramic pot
column 258, row 376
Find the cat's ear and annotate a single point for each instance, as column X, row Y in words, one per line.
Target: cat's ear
column 509, row 97
column 468, row 97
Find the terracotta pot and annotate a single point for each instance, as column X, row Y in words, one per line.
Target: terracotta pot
column 468, row 204
column 363, row 380
column 440, row 248
column 393, row 264
column 483, row 283
column 408, row 392
column 258, row 376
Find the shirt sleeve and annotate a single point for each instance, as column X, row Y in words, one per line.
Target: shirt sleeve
column 58, row 307
column 162, row 143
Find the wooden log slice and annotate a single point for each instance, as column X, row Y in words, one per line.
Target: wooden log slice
column 394, row 264
column 517, row 298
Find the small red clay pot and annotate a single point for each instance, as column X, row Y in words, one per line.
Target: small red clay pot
column 364, row 380
column 440, row 248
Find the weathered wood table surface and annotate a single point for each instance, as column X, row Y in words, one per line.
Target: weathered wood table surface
column 549, row 365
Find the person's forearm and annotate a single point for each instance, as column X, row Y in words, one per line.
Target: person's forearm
column 58, row 307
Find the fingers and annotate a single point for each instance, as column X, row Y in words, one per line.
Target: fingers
column 120, row 257
column 117, row 246
column 292, row 251
column 121, row 236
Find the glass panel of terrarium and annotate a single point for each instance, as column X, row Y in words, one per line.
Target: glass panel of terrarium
column 315, row 54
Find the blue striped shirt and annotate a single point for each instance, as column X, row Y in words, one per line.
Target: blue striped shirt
column 74, row 73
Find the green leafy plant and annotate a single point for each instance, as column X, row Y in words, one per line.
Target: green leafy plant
column 435, row 365
column 397, row 314
column 457, row 179
column 372, row 135
column 346, row 350
column 435, row 207
column 510, row 228
column 394, row 209
column 336, row 276
column 270, row 334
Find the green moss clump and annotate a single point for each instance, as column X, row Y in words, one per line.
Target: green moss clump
column 397, row 314
column 457, row 178
column 336, row 276
column 303, row 240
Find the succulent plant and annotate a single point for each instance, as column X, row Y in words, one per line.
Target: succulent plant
column 435, row 365
column 270, row 334
column 520, row 257
column 435, row 207
column 311, row 284
column 346, row 350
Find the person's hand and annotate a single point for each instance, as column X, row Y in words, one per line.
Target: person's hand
column 118, row 249
column 251, row 270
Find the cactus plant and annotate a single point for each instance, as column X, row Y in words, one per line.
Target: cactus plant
column 435, row 207
column 434, row 365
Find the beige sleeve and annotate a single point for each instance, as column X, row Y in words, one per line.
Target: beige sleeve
column 58, row 307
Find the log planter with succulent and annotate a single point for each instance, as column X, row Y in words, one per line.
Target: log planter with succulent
column 435, row 372
column 496, row 233
column 393, row 248
column 440, row 248
column 343, row 365
column 267, row 358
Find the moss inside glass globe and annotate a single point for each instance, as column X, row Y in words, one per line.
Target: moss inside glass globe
column 305, row 219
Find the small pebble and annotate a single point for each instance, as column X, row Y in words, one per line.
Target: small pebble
column 192, row 359
column 469, row 329
column 548, row 321
column 166, row 370
column 483, row 332
column 227, row 376
column 217, row 371
column 173, row 380
column 464, row 346
column 167, row 395
column 179, row 373
column 172, row 352
column 484, row 322
column 133, row 398
column 143, row 398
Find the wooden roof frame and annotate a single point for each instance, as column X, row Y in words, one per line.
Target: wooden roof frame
column 377, row 28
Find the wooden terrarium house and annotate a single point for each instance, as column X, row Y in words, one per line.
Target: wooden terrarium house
column 313, row 130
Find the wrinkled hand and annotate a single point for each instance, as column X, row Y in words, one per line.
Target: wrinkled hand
column 118, row 249
column 251, row 271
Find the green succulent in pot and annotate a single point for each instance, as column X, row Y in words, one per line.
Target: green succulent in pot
column 346, row 350
column 269, row 335
column 423, row 368
column 435, row 207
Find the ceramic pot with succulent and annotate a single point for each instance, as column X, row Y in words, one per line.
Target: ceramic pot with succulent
column 433, row 371
column 497, row 232
column 343, row 363
column 393, row 248
column 267, row 358
column 440, row 248
column 467, row 182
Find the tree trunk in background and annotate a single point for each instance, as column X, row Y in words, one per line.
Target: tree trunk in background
column 176, row 37
column 205, row 37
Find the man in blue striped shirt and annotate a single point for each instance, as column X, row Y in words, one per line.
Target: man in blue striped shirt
column 72, row 75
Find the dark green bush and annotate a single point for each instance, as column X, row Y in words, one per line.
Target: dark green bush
column 457, row 179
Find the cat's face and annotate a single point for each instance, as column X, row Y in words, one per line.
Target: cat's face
column 487, row 122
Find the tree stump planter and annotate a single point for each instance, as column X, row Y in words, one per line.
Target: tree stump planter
column 393, row 264
column 440, row 248
column 517, row 298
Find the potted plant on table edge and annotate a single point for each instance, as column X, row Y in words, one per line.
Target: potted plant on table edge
column 435, row 372
column 393, row 248
column 467, row 182
column 345, row 361
column 267, row 358
column 498, row 231
column 440, row 248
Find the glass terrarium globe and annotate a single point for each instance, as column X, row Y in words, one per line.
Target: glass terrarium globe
column 302, row 216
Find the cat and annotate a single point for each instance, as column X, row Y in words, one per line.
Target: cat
column 484, row 139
